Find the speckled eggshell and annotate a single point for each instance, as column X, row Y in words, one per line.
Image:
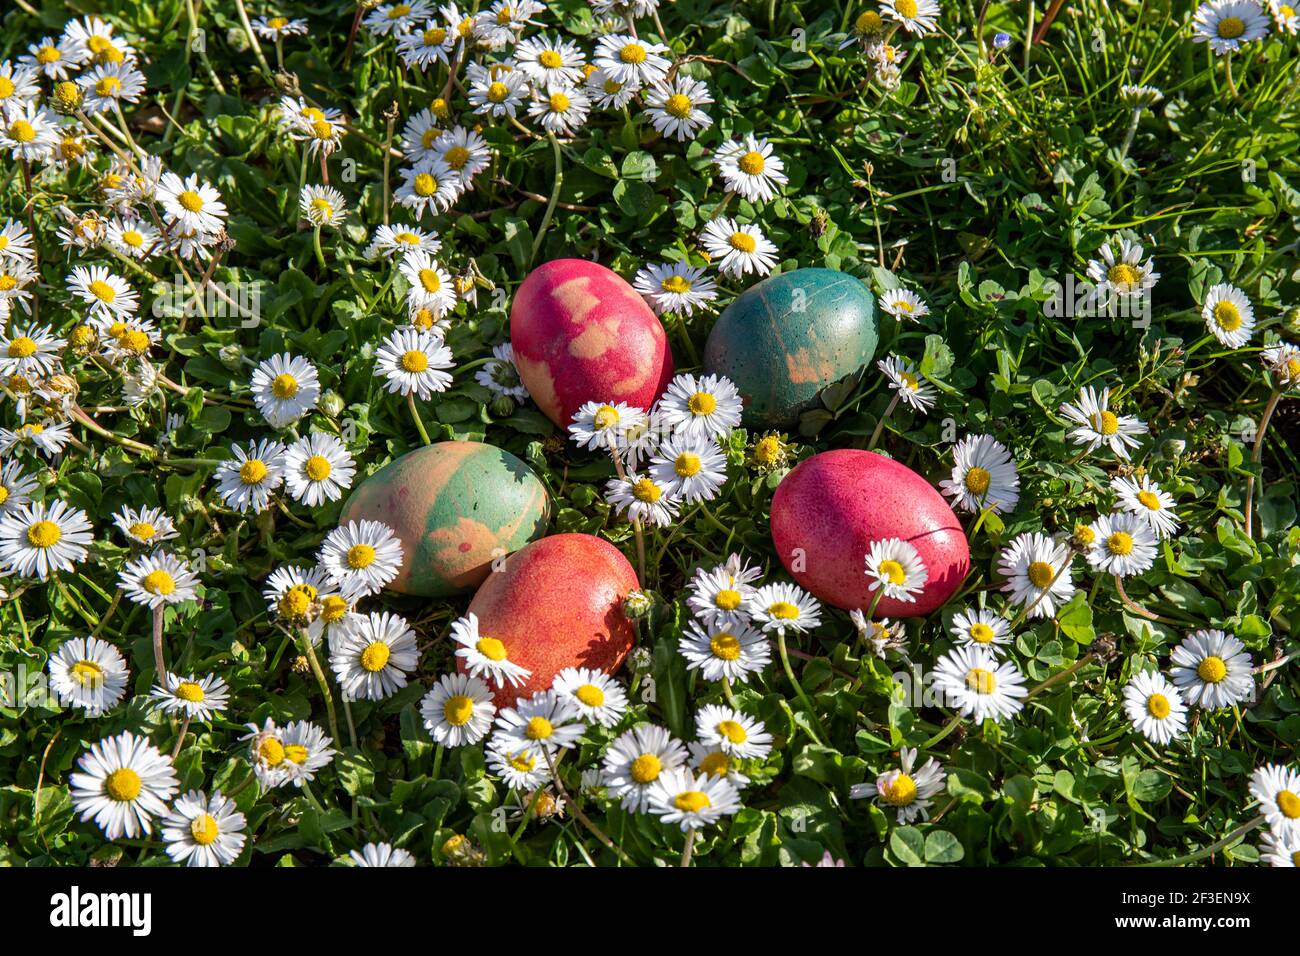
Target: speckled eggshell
column 835, row 504
column 582, row 334
column 455, row 505
column 557, row 603
column 785, row 339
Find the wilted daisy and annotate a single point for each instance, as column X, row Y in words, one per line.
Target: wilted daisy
column 371, row 658
column 719, row 597
column 500, row 376
column 524, row 769
column 1228, row 315
column 431, row 287
column 1144, row 498
column 486, row 656
column 105, row 86
column 1212, row 669
column 458, row 710
column 975, row 683
column 157, row 579
column 31, row 353
column 361, row 556
column 496, row 93
column 37, row 539
column 983, row 476
column 915, row 16
column 1037, row 572
column 16, row 487
column 1155, row 708
column 204, row 831
column 1227, row 24
column 396, row 240
column 780, row 607
column 1283, row 363
column 147, row 526
column 549, row 63
column 318, row 468
column 1280, row 849
column 88, row 674
column 541, row 722
column 246, row 481
column 191, row 203
column 904, row 305
column 1140, row 97
column 738, row 250
column 560, row 110
column 895, row 568
column 597, row 697
column 1098, row 425
column 322, row 206
column 642, row 498
column 750, row 169
column 285, row 387
column 732, row 652
column 1125, row 545
column 903, row 790
column 106, row 294
column 28, row 132
column 46, row 437
column 415, row 363
column 691, row 801
column 602, row 424
column 1277, row 789
column 1121, row 269
column 906, row 381
column 122, row 783
column 880, row 634
column 704, row 407
column 675, row 287
column 674, row 108
column 981, row 628
column 195, row 698
column 692, row 469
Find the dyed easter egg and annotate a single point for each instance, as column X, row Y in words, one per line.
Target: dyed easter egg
column 582, row 334
column 785, row 339
column 830, row 508
column 557, row 603
column 456, row 505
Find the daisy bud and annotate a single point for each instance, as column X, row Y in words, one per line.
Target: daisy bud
column 1173, row 448
column 237, row 40
column 331, row 404
column 638, row 604
column 81, row 338
column 440, row 109
column 67, row 97
column 190, row 505
column 503, row 406
column 232, row 357
column 300, row 664
column 1291, row 320
column 640, row 660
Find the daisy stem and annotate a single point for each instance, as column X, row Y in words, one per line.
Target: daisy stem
column 880, row 425
column 689, row 848
column 1130, row 133
column 103, row 432
column 241, row 786
column 73, row 603
column 302, row 170
column 726, row 690
column 419, row 422
column 159, row 661
column 555, row 197
column 185, row 729
column 126, row 130
column 320, row 254
column 686, row 340
column 722, row 205
column 1210, row 850
column 390, row 118
column 202, row 50
column 582, row 818
column 1134, row 606
column 279, row 52
column 352, row 727
column 437, row 761
column 947, row 728
column 319, row 674
column 352, row 35
column 1227, row 73
column 1074, row 668
column 798, row 688
column 252, row 41
column 1256, row 453
column 112, row 608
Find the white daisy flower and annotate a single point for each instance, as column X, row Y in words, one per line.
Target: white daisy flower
column 419, row 134
column 37, row 540
column 322, row 206
column 276, row 28
column 193, row 697
column 15, row 242
column 549, row 63
column 904, row 790
column 485, row 656
column 906, row 381
column 1285, row 17
column 107, row 85
column 157, row 579
column 702, row 408
column 541, row 722
column 49, row 57
column 91, row 40
column 521, row 769
column 30, row 353
column 133, row 238
column 106, row 294
column 396, row 18
column 19, row 85
column 458, row 711
column 738, row 250
column 732, row 652
column 396, row 240
column 1144, row 498
column 981, row 628
column 381, row 854
column 719, row 597
column 1283, row 363
column 16, row 487
column 904, row 305
column 1037, row 572
column 88, row 674
column 1228, row 315
column 713, row 761
column 675, row 287
column 561, row 110
column 1125, row 545
column 780, row 606
column 289, row 755
column 975, row 683
column 464, row 152
column 122, row 784
column 1155, row 708
column 915, row 16
column 635, row 760
column 983, row 476
column 692, row 469
column 414, row 363
column 750, row 169
column 292, row 593
column 1277, row 789
column 608, row 93
column 204, row 831
column 1121, row 269
column 642, row 498
column 674, row 108
column 1097, row 425
column 191, row 203
column 1280, row 849
column 146, row 526
column 431, row 287
column 500, row 375
column 496, row 93
column 894, row 566
column 246, row 481
column 738, row 734
column 602, row 425
column 679, row 796
column 1227, row 24
column 428, row 185
column 361, row 557
column 426, row 46
column 372, row 657
column 596, row 696
column 15, row 277
column 318, row 468
column 47, row 437
column 285, row 388
column 28, row 132
column 630, row 59
column 1212, row 669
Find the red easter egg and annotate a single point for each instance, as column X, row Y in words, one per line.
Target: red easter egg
column 828, row 511
column 557, row 603
column 582, row 334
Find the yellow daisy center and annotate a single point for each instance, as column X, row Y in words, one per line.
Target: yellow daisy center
column 252, row 471
column 550, row 59
column 783, row 611
column 425, row 184
column 87, row 673
column 907, row 9
column 1212, row 670
column 497, row 92
column 47, row 55
column 22, row 347
column 159, row 582
column 429, row 279
column 559, row 102
column 297, row 601
column 676, row 284
column 271, row 751
column 284, row 386
column 143, row 530
column 360, row 556
column 868, row 22
column 981, row 633
column 1041, row 574
column 133, row 239
column 398, row 11
column 203, row 829
column 633, row 53
column 646, row 490
column 678, row 106
column 123, row 785
column 22, row 131
column 1227, row 316
column 491, row 648
column 646, row 768
column 1109, row 423
column 727, row 599
column 751, row 164
column 692, row 801
column 458, row 710
column 375, row 656
column 108, row 86
column 435, row 36
column 135, row 342
column 317, row 467
column 7, row 88
column 1231, row 27
column 295, row 753
column 190, row 201
column 702, row 403
column 44, row 534
column 190, row 691
column 717, row 763
column 1122, row 274
column 733, row 731
column 414, row 361
column 901, row 792
column 725, row 647
column 891, row 569
column 687, row 464
column 1120, row 543
column 977, row 480
column 333, row 608
column 277, row 23
column 539, row 728
column 742, row 242
column 1158, row 706
column 1289, row 804
column 591, row 695
column 1149, row 499
column 981, row 681
column 456, row 157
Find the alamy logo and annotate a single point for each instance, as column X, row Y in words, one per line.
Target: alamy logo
column 76, row 909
